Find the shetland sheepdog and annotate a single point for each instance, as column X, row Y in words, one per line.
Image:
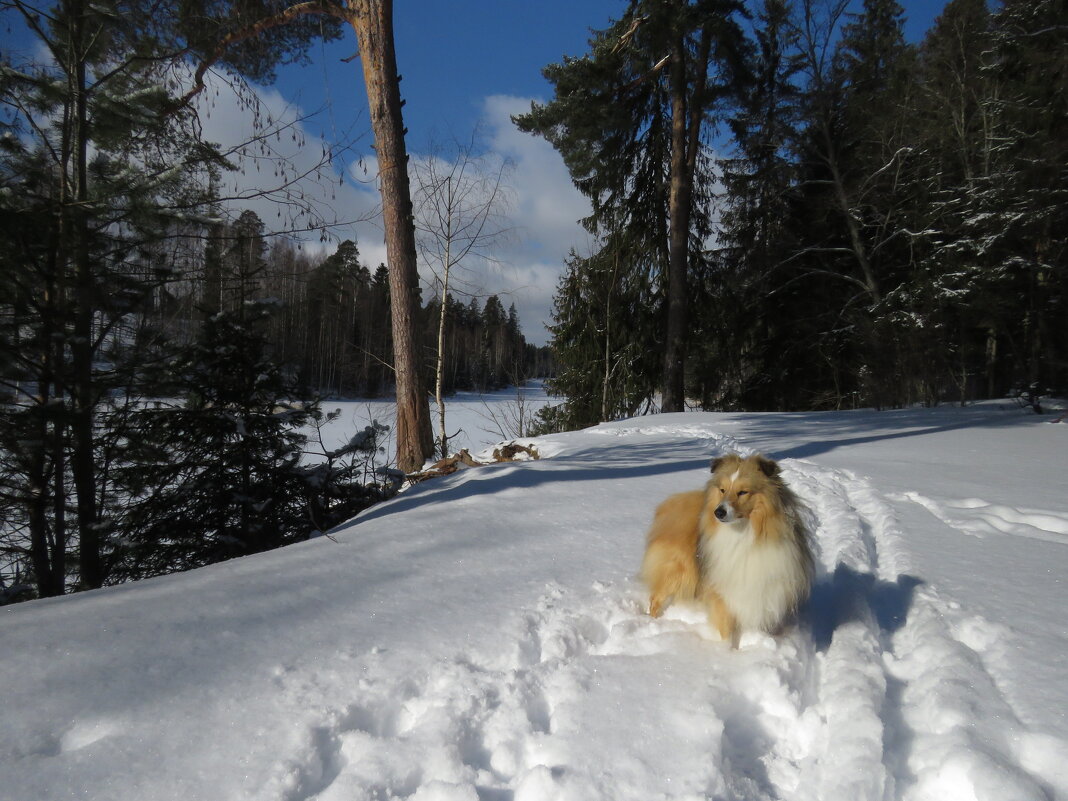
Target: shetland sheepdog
column 740, row 547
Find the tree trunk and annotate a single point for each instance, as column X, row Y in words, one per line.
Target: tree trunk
column 439, row 395
column 47, row 549
column 678, row 238
column 439, row 368
column 83, row 456
column 686, row 121
column 373, row 22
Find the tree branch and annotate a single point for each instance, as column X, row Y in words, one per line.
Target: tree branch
column 274, row 21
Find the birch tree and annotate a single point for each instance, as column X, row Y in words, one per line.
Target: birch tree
column 460, row 202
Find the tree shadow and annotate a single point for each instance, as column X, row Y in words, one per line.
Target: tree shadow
column 848, row 595
column 592, row 464
column 828, row 431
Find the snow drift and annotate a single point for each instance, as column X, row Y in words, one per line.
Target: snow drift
column 482, row 636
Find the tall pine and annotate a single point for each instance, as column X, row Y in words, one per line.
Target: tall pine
column 631, row 122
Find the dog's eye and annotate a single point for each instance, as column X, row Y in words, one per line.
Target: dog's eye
column 742, row 492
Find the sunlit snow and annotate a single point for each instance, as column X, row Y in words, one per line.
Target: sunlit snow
column 483, row 636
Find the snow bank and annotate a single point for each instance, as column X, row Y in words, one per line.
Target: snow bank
column 482, row 637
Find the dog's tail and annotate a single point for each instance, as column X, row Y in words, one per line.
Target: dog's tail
column 670, row 574
column 670, row 568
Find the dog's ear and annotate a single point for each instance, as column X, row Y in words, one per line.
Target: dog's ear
column 720, row 461
column 768, row 467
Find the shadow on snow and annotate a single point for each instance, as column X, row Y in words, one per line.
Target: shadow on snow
column 847, row 596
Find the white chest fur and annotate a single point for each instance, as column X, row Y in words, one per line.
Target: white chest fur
column 759, row 582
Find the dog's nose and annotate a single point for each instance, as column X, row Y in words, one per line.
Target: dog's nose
column 721, row 512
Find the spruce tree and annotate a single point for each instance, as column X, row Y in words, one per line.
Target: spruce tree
column 218, row 472
column 630, row 121
column 604, row 367
column 741, row 326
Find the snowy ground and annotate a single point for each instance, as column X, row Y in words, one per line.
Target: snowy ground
column 473, row 420
column 482, row 637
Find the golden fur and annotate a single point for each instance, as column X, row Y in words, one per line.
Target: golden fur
column 739, row 546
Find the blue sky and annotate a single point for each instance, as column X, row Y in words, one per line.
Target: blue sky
column 481, row 60
column 477, row 61
column 454, row 54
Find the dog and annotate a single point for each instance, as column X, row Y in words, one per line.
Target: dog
column 740, row 547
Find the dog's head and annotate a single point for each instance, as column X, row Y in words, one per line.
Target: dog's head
column 738, row 485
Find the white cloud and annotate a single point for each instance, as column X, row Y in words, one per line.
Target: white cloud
column 545, row 214
column 283, row 176
column 544, row 211
column 549, row 203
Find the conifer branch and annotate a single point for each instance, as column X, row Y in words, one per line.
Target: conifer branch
column 310, row 8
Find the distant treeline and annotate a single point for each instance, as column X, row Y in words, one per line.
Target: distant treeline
column 333, row 322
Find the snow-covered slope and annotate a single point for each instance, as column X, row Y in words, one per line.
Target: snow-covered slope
column 482, row 636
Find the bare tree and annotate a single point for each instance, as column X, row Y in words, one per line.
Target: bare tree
column 458, row 216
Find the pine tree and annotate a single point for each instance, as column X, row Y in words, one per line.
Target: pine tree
column 217, row 474
column 101, row 163
column 629, row 120
column 100, row 187
column 739, row 341
column 373, row 22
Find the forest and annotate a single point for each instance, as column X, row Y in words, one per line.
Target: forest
column 793, row 208
column 330, row 325
column 805, row 211
column 163, row 353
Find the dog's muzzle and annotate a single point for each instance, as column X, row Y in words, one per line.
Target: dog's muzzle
column 725, row 513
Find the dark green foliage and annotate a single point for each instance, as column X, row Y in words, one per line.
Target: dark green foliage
column 96, row 174
column 738, row 328
column 220, row 473
column 104, row 181
column 632, row 121
column 604, row 335
column 215, row 475
column 892, row 218
column 1019, row 216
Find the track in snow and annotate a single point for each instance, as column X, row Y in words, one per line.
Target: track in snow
column 884, row 690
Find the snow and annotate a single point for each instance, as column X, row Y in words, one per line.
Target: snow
column 473, row 420
column 482, row 637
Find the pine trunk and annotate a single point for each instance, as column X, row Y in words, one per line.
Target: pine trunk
column 373, row 23
column 83, row 457
column 686, row 121
column 678, row 236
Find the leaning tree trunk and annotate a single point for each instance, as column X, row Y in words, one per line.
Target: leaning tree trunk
column 373, row 23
